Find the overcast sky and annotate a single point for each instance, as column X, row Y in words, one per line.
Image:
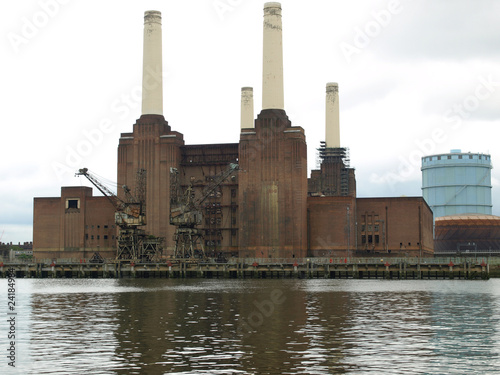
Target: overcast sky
column 415, row 77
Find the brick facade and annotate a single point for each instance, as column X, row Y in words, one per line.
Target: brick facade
column 273, row 188
column 74, row 225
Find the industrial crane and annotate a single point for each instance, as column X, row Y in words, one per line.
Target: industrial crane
column 130, row 215
column 186, row 213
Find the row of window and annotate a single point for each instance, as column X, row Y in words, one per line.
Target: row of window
column 217, row 221
column 449, row 157
column 370, row 218
column 213, row 221
column 376, row 239
column 98, row 226
column 370, row 238
column 216, row 209
column 98, row 237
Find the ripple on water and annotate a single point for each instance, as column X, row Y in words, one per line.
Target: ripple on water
column 228, row 326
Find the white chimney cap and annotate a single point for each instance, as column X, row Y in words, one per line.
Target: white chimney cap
column 272, row 5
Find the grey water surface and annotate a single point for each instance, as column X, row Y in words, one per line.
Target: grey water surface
column 205, row 326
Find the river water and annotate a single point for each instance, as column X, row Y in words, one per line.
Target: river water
column 203, row 326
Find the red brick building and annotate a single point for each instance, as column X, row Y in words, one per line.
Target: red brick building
column 74, row 225
column 269, row 208
column 340, row 224
column 398, row 226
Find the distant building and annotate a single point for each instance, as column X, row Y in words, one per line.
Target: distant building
column 457, row 183
column 467, row 234
column 10, row 251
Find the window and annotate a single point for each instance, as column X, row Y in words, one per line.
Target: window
column 369, row 228
column 370, row 239
column 363, row 239
column 105, row 227
column 98, row 237
column 92, row 237
column 363, row 228
column 86, row 236
column 376, row 228
column 98, row 226
column 377, row 238
column 105, row 237
column 460, row 156
column 72, row 203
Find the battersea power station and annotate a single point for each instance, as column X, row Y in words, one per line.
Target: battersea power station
column 249, row 199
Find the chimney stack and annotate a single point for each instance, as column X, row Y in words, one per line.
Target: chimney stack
column 152, row 78
column 332, row 137
column 272, row 74
column 247, row 108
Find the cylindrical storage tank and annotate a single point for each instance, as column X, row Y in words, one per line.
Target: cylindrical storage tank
column 457, row 183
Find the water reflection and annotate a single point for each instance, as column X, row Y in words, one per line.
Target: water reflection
column 262, row 326
column 73, row 332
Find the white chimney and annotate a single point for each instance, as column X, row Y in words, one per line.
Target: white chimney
column 247, row 108
column 152, row 70
column 332, row 137
column 272, row 74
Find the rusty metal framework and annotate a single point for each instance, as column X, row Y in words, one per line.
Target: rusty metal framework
column 132, row 241
column 186, row 213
